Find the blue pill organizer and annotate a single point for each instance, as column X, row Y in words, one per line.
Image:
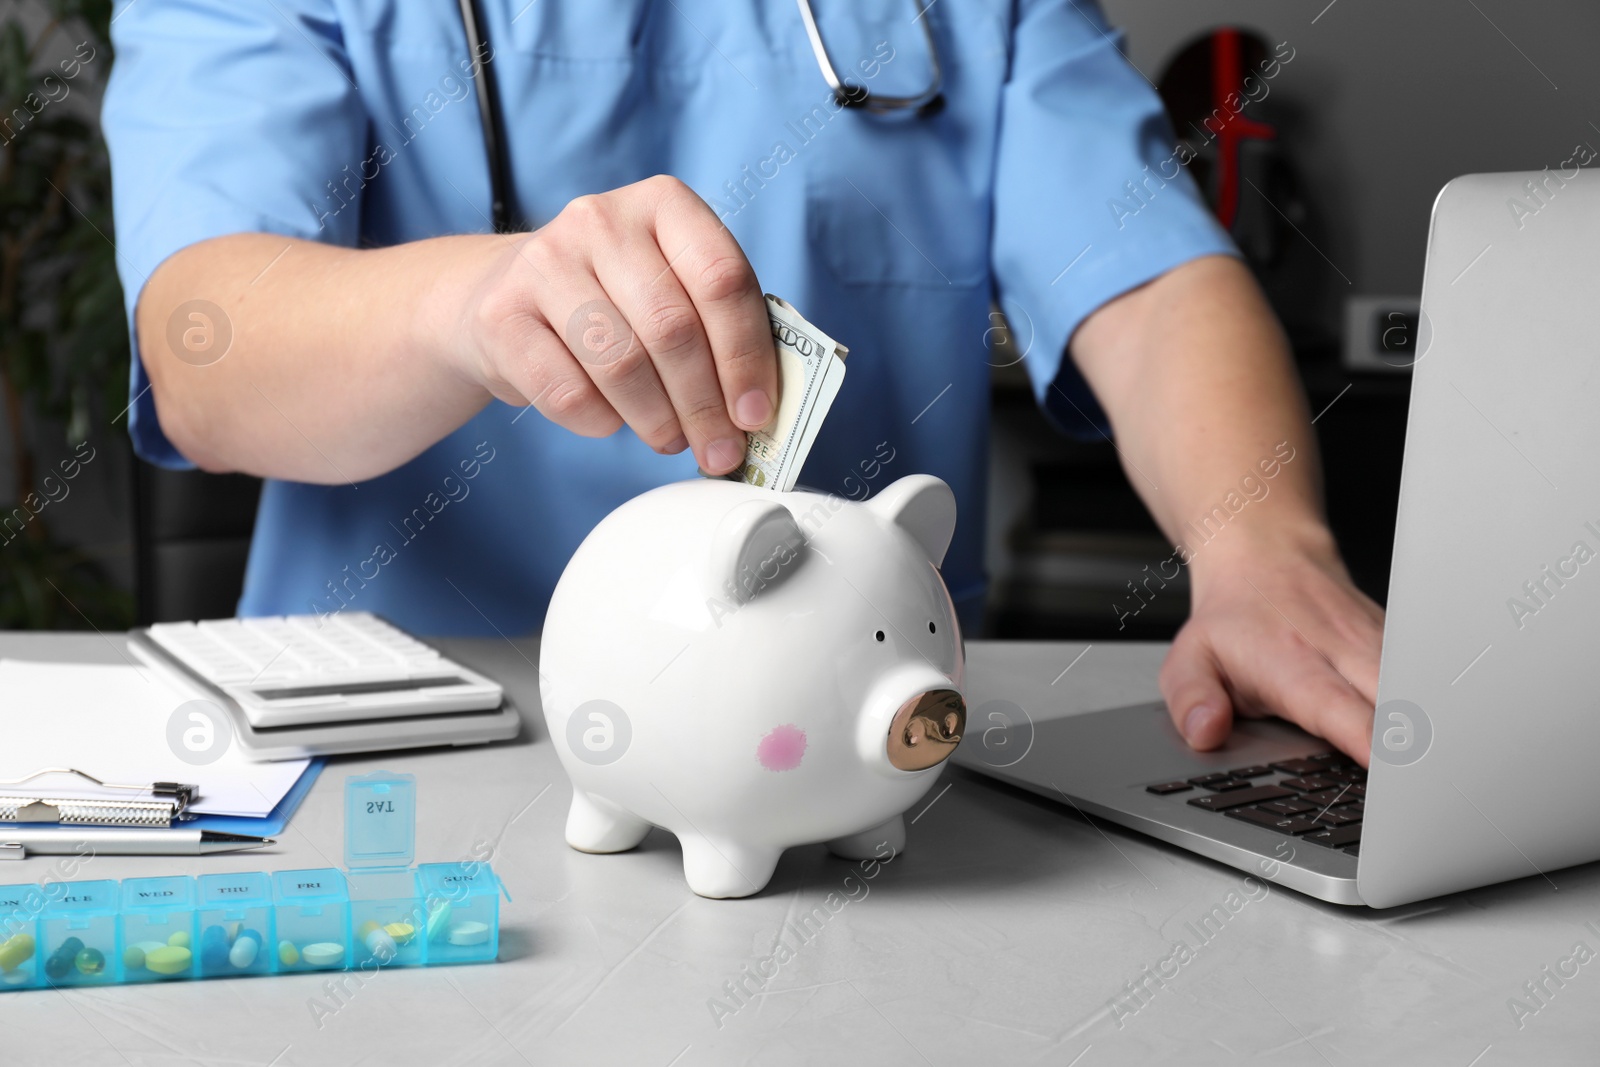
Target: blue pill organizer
column 379, row 912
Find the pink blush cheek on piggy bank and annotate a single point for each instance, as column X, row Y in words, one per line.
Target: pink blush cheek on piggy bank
column 783, row 748
column 752, row 671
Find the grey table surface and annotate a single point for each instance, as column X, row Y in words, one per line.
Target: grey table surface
column 1010, row 931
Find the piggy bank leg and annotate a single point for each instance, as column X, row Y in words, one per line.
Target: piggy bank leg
column 881, row 842
column 595, row 825
column 721, row 869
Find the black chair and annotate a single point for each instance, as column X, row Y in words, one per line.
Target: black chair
column 191, row 540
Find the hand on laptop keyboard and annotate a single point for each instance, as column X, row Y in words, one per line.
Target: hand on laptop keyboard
column 1274, row 630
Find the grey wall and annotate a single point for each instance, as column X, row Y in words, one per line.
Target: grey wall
column 1392, row 98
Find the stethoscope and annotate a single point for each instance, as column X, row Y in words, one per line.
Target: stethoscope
column 926, row 102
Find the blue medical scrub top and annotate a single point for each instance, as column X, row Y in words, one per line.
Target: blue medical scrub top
column 1045, row 183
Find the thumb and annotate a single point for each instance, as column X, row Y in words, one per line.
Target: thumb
column 1191, row 682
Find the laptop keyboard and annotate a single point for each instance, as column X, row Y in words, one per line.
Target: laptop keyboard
column 1318, row 798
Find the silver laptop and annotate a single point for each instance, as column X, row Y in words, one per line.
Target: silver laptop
column 1487, row 733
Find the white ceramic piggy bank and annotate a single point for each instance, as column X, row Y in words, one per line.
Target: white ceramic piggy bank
column 753, row 670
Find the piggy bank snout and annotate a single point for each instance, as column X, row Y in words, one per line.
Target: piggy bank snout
column 926, row 729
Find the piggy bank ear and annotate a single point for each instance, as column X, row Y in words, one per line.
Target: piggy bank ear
column 924, row 507
column 755, row 545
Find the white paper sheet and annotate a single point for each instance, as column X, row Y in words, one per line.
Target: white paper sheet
column 112, row 721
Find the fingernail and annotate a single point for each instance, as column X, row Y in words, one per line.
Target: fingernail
column 1198, row 721
column 724, row 455
column 753, row 409
column 676, row 445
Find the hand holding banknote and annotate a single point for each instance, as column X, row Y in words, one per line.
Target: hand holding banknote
column 810, row 371
column 634, row 306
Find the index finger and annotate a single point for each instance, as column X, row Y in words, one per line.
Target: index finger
column 722, row 285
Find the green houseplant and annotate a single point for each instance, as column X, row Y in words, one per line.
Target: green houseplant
column 63, row 339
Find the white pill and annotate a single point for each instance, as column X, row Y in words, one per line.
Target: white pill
column 381, row 945
column 322, row 954
column 469, row 933
column 243, row 952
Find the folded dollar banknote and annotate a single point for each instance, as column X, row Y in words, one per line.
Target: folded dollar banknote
column 810, row 372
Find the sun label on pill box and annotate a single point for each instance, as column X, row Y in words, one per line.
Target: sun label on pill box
column 469, row 933
column 323, row 954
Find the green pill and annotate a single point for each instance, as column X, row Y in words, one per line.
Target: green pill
column 91, row 961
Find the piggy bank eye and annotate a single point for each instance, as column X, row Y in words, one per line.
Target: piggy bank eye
column 879, row 635
column 932, row 629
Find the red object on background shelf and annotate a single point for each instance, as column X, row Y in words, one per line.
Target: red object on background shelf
column 1227, row 79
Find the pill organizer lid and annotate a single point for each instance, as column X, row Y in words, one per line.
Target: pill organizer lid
column 380, row 820
column 453, row 880
column 157, row 894
column 93, row 897
column 320, row 885
column 244, row 888
column 27, row 897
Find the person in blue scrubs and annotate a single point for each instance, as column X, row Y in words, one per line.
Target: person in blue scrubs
column 442, row 412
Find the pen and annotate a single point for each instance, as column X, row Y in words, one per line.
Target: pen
column 16, row 844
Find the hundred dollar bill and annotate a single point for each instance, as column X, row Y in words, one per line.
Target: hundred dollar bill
column 810, row 372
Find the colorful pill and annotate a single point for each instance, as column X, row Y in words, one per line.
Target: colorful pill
column 469, row 933
column 323, row 954
column 179, row 939
column 133, row 956
column 61, row 960
column 232, row 930
column 377, row 940
column 438, row 919
column 90, row 961
column 213, row 948
column 401, row 932
column 244, row 950
column 168, row 959
column 288, row 955
column 15, row 951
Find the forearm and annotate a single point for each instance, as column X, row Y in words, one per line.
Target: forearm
column 1196, row 378
column 340, row 365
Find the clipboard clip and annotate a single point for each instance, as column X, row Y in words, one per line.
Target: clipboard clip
column 157, row 804
column 181, row 792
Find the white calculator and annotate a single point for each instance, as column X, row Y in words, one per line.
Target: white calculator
column 307, row 670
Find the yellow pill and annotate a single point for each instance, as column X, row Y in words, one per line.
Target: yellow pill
column 170, row 960
column 179, row 939
column 133, row 956
column 288, row 955
column 366, row 928
column 401, row 932
column 15, row 951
